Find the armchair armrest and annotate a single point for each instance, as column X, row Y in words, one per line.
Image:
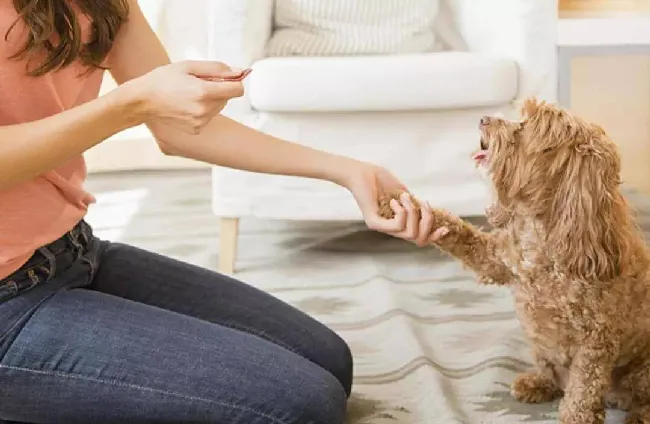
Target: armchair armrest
column 239, row 32
column 522, row 30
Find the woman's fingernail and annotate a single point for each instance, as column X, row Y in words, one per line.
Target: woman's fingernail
column 394, row 203
column 440, row 233
column 405, row 199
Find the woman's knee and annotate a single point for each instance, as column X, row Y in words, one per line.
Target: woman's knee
column 334, row 355
column 319, row 400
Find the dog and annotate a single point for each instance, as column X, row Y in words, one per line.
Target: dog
column 565, row 242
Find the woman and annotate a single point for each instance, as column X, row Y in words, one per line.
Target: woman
column 98, row 332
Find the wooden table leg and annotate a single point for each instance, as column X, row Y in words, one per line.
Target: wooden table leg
column 228, row 235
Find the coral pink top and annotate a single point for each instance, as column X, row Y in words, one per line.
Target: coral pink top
column 39, row 211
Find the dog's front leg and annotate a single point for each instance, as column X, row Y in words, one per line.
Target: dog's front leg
column 589, row 381
column 477, row 249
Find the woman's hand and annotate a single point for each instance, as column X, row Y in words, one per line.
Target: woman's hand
column 185, row 95
column 367, row 183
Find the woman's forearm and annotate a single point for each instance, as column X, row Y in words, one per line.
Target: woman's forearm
column 30, row 149
column 227, row 143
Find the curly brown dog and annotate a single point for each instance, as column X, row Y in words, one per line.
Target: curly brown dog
column 566, row 243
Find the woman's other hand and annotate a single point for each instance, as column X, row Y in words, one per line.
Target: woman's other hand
column 184, row 95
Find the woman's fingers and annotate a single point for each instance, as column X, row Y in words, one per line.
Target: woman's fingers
column 400, row 215
column 439, row 234
column 221, row 90
column 208, row 69
column 420, row 228
column 426, row 225
column 392, row 226
column 411, row 221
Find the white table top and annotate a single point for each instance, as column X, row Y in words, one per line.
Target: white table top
column 584, row 32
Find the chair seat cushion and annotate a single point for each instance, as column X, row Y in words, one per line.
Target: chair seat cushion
column 431, row 81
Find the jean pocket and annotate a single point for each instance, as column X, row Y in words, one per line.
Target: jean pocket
column 23, row 281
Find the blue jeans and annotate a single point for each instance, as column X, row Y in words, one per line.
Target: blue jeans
column 98, row 332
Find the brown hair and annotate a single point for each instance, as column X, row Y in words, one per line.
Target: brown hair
column 53, row 29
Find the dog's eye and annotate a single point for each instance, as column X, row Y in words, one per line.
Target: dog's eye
column 519, row 128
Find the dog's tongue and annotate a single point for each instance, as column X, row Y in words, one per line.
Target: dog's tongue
column 480, row 155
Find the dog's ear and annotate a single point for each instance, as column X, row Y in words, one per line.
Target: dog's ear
column 549, row 127
column 589, row 225
column 530, row 107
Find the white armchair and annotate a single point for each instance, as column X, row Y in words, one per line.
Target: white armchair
column 423, row 127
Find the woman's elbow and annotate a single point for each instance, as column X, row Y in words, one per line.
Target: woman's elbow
column 168, row 149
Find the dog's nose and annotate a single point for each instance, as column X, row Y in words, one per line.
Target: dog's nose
column 484, row 121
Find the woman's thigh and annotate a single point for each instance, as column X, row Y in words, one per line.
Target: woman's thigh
column 89, row 357
column 159, row 281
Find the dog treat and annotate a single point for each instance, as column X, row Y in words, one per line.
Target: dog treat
column 239, row 77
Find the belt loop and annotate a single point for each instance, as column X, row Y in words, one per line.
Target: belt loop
column 33, row 277
column 50, row 259
column 73, row 235
column 85, row 232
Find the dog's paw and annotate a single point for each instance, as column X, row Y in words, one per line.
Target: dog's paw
column 535, row 388
column 489, row 281
column 619, row 400
column 635, row 419
column 587, row 417
column 386, row 211
column 639, row 415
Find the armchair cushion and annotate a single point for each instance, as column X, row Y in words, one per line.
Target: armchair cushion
column 521, row 30
column 433, row 81
column 346, row 27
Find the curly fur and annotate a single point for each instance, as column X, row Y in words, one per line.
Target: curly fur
column 566, row 243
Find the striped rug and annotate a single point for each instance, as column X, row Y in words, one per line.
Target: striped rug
column 431, row 347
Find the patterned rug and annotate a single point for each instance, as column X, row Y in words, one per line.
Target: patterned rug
column 430, row 345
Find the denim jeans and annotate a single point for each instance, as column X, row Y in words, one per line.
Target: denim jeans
column 99, row 332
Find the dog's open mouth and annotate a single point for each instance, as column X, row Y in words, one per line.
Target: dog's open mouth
column 481, row 156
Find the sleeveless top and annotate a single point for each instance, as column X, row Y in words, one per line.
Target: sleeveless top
column 39, row 211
